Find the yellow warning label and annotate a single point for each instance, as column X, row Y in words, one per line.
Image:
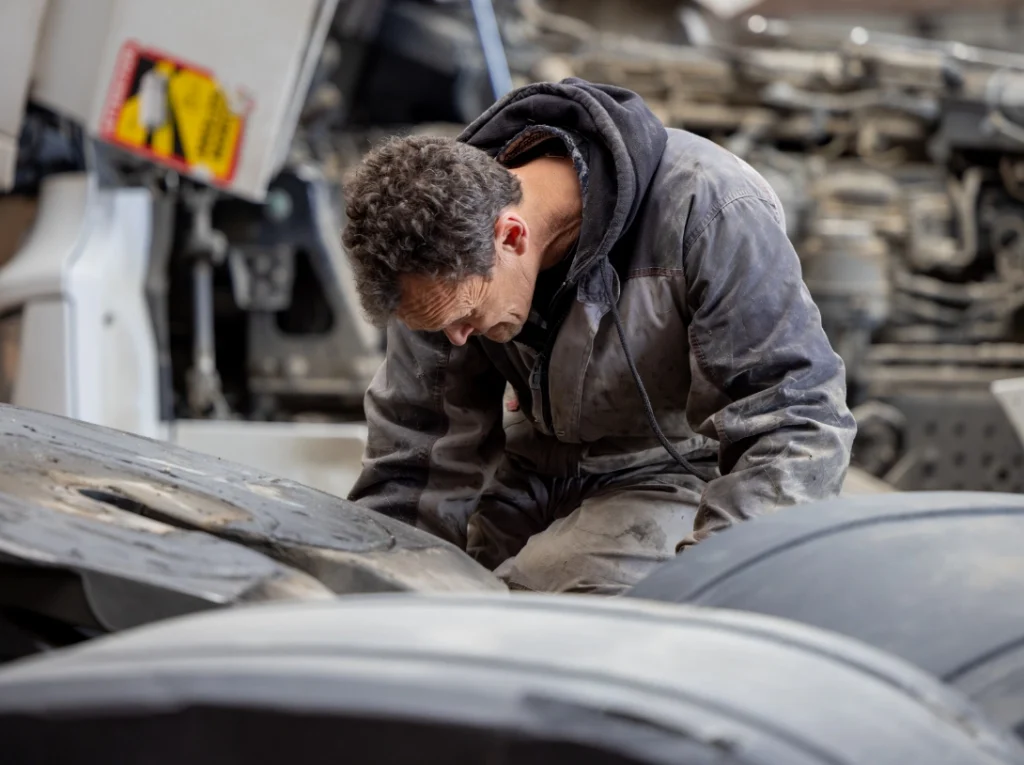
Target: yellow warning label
column 175, row 114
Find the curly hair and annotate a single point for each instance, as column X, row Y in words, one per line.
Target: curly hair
column 426, row 206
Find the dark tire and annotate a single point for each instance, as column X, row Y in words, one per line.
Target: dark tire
column 513, row 679
column 105, row 530
column 935, row 578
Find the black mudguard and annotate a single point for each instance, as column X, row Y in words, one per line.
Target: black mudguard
column 935, row 578
column 102, row 530
column 529, row 679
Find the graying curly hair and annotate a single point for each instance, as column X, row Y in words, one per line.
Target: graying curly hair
column 426, row 206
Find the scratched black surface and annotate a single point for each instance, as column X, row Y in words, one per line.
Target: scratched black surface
column 932, row 577
column 130, row 512
column 128, row 576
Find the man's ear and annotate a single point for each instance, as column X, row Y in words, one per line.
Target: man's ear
column 511, row 233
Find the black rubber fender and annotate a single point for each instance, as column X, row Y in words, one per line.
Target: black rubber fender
column 109, row 530
column 535, row 679
column 933, row 577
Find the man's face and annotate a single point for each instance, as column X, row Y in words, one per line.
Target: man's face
column 496, row 308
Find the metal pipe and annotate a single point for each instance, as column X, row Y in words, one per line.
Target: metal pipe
column 204, row 390
column 204, row 351
column 493, row 47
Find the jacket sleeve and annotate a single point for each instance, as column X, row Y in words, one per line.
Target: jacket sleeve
column 765, row 381
column 433, row 413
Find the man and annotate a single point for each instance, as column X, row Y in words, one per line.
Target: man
column 635, row 288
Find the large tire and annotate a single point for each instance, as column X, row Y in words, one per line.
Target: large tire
column 453, row 679
column 935, row 578
column 105, row 530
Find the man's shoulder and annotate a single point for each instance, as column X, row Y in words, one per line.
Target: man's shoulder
column 702, row 178
column 695, row 182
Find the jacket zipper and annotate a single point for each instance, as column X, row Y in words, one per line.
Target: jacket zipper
column 545, row 358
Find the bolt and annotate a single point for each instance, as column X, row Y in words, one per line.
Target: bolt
column 278, row 207
column 297, row 366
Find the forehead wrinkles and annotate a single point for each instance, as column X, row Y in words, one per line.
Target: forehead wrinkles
column 431, row 304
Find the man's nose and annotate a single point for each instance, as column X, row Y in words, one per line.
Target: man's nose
column 459, row 334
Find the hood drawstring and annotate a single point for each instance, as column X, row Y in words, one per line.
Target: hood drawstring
column 652, row 420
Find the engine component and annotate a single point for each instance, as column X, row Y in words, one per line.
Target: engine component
column 881, row 431
column 900, row 166
column 206, row 247
column 931, row 577
column 308, row 347
column 264, row 280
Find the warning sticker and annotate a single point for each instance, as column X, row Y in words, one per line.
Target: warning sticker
column 174, row 113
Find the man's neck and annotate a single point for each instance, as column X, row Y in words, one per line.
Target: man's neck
column 552, row 205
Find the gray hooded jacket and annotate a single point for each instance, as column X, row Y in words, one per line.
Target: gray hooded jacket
column 687, row 244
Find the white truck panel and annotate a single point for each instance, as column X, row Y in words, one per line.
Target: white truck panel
column 20, row 24
column 259, row 52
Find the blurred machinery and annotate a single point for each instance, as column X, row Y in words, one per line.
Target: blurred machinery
column 900, row 163
column 173, row 173
column 181, row 275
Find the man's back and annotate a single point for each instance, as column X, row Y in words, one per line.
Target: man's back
column 597, row 418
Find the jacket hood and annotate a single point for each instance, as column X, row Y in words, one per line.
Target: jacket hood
column 624, row 141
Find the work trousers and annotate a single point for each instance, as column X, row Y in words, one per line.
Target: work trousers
column 597, row 534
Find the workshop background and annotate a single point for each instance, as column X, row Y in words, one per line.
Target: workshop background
column 189, row 284
column 172, row 275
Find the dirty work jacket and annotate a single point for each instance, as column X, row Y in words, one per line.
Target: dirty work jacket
column 689, row 242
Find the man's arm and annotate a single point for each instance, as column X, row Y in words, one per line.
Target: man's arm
column 434, row 416
column 766, row 382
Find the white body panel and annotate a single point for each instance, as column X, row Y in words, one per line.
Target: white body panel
column 264, row 49
column 46, row 379
column 87, row 348
column 71, row 47
column 39, row 270
column 20, row 24
column 325, row 456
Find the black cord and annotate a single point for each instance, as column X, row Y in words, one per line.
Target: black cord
column 648, row 409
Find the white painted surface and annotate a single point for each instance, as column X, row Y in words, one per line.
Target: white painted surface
column 20, row 23
column 62, row 223
column 44, row 380
column 88, row 349
column 325, row 456
column 33, row 281
column 264, row 49
column 71, row 44
column 114, row 352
